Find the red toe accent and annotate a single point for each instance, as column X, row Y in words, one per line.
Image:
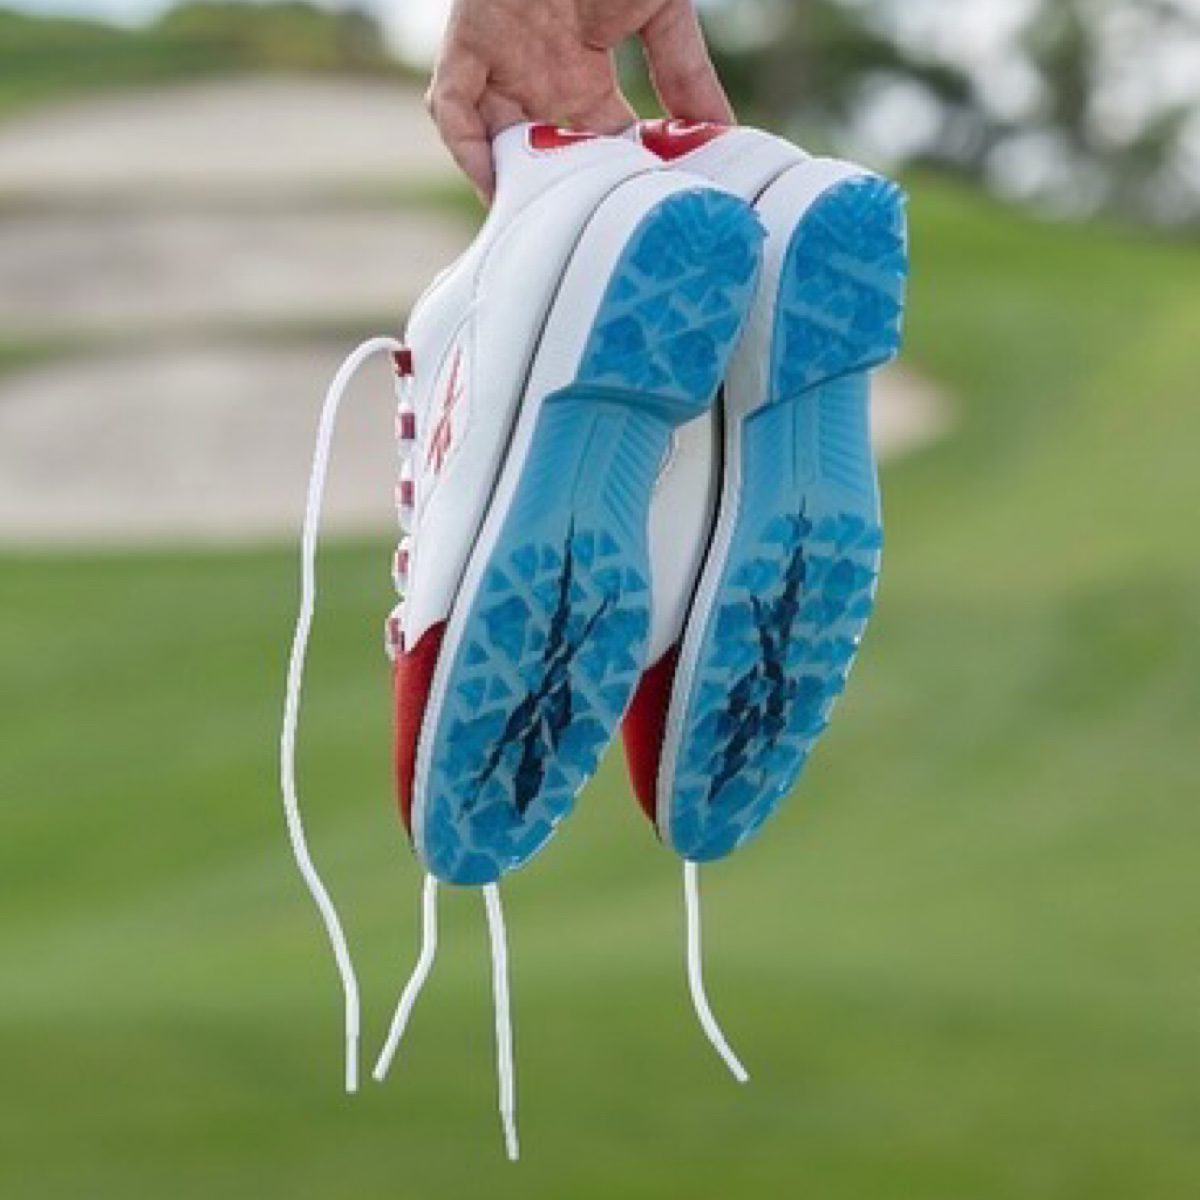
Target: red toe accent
column 644, row 727
column 413, row 675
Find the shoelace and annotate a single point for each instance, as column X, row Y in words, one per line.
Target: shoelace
column 291, row 805
column 295, row 684
column 504, row 1035
column 695, row 973
column 505, row 1070
column 491, row 893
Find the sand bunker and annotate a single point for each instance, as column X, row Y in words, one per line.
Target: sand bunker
column 133, row 273
column 213, row 444
column 258, row 137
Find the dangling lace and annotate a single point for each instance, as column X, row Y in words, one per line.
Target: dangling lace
column 412, row 989
column 504, row 1036
column 295, row 682
column 691, row 901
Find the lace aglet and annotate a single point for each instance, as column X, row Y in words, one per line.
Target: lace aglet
column 511, row 1146
column 386, row 1057
column 412, row 989
column 351, row 1063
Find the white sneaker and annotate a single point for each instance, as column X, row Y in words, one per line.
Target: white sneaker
column 544, row 375
column 756, row 632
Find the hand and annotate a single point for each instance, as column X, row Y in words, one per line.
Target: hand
column 508, row 61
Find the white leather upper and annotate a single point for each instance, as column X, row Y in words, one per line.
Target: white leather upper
column 486, row 313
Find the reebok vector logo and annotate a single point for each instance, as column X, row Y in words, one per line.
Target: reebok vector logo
column 441, row 440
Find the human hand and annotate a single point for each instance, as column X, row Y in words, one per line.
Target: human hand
column 508, row 61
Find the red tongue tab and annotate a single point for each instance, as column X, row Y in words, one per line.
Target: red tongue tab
column 673, row 139
column 554, row 137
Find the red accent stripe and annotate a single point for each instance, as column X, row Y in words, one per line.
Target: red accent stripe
column 443, row 433
column 412, row 676
column 644, row 727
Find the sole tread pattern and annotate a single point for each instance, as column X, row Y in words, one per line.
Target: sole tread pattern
column 798, row 583
column 555, row 638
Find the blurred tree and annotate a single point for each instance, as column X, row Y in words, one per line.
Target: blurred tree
column 294, row 35
column 1099, row 128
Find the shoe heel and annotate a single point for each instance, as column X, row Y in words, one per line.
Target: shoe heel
column 842, row 286
column 674, row 308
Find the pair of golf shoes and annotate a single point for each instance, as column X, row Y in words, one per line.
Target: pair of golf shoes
column 637, row 486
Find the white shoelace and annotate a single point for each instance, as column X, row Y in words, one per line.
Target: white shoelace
column 695, row 972
column 295, row 825
column 506, row 1074
column 504, row 1034
column 295, row 683
column 412, row 989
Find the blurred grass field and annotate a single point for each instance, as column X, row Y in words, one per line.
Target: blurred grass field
column 44, row 58
column 964, row 964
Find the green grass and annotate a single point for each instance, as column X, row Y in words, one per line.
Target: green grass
column 46, row 59
column 963, row 965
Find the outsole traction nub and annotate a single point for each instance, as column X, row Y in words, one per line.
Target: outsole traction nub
column 555, row 636
column 798, row 582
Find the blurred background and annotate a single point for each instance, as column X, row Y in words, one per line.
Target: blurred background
column 964, row 963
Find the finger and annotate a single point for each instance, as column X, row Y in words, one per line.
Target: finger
column 683, row 74
column 611, row 114
column 499, row 112
column 453, row 102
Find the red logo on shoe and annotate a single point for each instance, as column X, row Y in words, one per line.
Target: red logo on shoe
column 443, row 433
column 554, row 137
column 673, row 139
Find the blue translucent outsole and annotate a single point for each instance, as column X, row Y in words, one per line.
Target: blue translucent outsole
column 555, row 637
column 798, row 584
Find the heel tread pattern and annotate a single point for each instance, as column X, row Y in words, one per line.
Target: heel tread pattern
column 668, row 324
column 842, row 286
